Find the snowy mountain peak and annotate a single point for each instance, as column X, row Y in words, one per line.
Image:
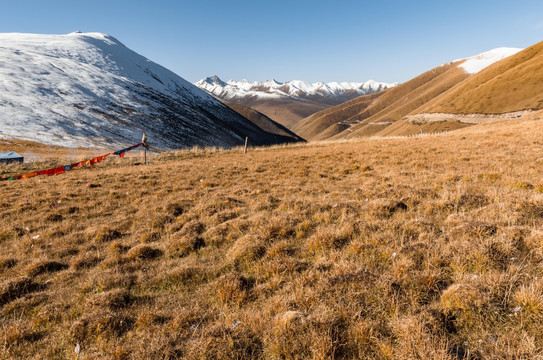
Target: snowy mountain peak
column 474, row 64
column 211, row 80
column 273, row 83
column 297, row 89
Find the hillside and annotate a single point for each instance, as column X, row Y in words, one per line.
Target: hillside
column 90, row 90
column 514, row 84
column 369, row 115
column 366, row 116
column 262, row 121
column 290, row 101
column 392, row 249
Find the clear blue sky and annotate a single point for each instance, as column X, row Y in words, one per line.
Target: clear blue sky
column 311, row 40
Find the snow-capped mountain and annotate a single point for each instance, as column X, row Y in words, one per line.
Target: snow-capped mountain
column 291, row 89
column 290, row 101
column 88, row 89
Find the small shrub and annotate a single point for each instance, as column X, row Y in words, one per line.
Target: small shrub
column 151, row 236
column 522, row 185
column 327, row 238
column 143, row 252
column 184, row 245
column 193, row 228
column 232, row 288
column 7, row 264
column 106, row 234
column 175, row 209
column 113, row 299
column 385, row 208
column 85, row 261
column 16, row 288
column 246, row 249
column 103, row 323
column 42, row 267
column 5, row 235
column 54, row 218
column 529, row 299
column 464, row 301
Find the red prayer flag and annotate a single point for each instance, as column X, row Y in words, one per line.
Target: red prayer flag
column 63, row 169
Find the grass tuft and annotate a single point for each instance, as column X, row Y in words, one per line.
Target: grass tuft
column 143, row 252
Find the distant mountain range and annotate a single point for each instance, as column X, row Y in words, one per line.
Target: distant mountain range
column 90, row 90
column 453, row 95
column 290, row 101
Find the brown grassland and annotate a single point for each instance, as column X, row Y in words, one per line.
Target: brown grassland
column 421, row 248
column 286, row 112
column 512, row 84
column 370, row 114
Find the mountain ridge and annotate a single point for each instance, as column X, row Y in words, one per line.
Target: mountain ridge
column 88, row 89
column 381, row 114
column 291, row 101
column 232, row 89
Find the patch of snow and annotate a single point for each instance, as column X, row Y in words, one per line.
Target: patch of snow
column 474, row 64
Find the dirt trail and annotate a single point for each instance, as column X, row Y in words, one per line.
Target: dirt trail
column 464, row 118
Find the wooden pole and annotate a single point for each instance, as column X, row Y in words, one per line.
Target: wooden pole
column 145, row 146
column 245, row 147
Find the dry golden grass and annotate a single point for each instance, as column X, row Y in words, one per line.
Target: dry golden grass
column 314, row 125
column 286, row 112
column 513, row 84
column 424, row 248
column 370, row 114
column 33, row 151
column 262, row 121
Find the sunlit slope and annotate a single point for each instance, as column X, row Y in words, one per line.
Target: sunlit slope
column 512, row 84
column 370, row 114
column 353, row 110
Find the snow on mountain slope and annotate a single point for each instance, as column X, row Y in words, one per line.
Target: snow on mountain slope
column 292, row 89
column 476, row 63
column 88, row 89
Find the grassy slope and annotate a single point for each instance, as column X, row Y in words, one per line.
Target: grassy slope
column 413, row 248
column 513, row 84
column 385, row 107
column 319, row 122
column 404, row 127
column 286, row 112
column 262, row 121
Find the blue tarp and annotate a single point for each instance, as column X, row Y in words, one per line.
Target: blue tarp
column 10, row 157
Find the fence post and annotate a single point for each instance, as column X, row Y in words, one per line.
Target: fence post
column 145, row 146
column 245, row 147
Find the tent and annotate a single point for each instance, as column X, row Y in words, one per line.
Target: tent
column 10, row 157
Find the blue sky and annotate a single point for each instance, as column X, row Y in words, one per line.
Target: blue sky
column 387, row 40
